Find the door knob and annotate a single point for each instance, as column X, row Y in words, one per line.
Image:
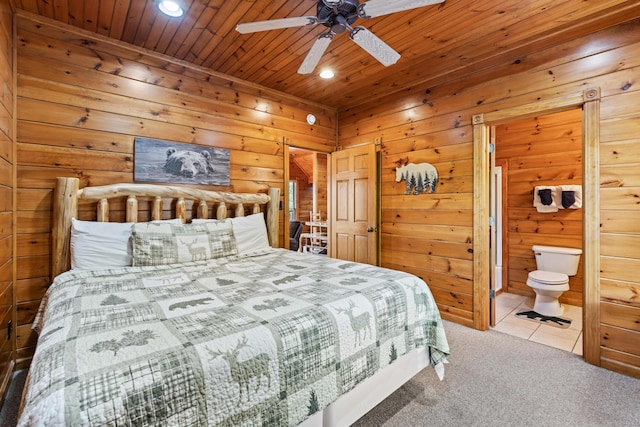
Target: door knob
column 371, row 229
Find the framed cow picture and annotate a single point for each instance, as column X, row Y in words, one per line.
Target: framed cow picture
column 156, row 160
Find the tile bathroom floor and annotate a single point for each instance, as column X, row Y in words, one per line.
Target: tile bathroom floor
column 570, row 339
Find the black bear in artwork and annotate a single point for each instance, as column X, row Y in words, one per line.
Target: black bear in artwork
column 188, row 163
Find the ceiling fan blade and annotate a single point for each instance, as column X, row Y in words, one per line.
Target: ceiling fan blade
column 275, row 24
column 373, row 8
column 376, row 47
column 316, row 52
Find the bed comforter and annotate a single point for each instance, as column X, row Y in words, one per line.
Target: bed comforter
column 262, row 340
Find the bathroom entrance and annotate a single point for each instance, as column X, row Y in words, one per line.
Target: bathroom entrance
column 537, row 153
column 533, row 154
column 588, row 102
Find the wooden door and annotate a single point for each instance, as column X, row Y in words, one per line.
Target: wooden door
column 354, row 226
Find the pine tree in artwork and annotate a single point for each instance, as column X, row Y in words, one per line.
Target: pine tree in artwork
column 430, row 182
column 393, row 354
column 314, row 406
column 419, row 185
column 412, row 182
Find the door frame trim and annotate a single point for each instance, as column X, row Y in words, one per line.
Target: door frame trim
column 589, row 101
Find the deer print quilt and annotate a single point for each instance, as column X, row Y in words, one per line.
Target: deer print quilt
column 262, row 340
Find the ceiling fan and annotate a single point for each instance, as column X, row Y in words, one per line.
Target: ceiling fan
column 338, row 16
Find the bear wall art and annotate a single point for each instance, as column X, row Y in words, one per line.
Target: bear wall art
column 421, row 177
column 164, row 161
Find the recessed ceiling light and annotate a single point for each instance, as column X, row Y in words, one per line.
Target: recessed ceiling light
column 326, row 74
column 170, row 8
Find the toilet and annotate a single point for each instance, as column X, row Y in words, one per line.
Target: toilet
column 555, row 265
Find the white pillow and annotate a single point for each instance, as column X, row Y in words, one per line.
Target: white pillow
column 101, row 244
column 250, row 233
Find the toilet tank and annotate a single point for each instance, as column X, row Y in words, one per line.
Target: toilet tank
column 557, row 259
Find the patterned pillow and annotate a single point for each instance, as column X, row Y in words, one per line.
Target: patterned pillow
column 250, row 233
column 159, row 243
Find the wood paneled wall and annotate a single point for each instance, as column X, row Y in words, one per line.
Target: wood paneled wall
column 81, row 101
column 431, row 234
column 547, row 151
column 620, row 222
column 7, row 150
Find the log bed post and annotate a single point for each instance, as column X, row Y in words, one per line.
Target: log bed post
column 156, row 209
column 221, row 213
column 181, row 210
column 203, row 210
column 103, row 210
column 65, row 207
column 273, row 217
column 132, row 209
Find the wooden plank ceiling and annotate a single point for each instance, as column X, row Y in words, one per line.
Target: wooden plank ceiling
column 436, row 42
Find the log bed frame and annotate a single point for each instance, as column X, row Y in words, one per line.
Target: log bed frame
column 68, row 195
column 66, row 199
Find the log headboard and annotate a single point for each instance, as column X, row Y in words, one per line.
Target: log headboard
column 68, row 195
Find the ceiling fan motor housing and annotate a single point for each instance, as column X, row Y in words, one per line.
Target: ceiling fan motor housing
column 337, row 15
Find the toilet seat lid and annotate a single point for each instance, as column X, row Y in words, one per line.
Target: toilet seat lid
column 549, row 277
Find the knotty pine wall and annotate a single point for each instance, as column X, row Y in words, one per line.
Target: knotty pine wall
column 7, row 312
column 81, row 101
column 431, row 235
column 545, row 150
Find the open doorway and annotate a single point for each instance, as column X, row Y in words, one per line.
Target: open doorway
column 589, row 101
column 307, row 200
column 544, row 152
